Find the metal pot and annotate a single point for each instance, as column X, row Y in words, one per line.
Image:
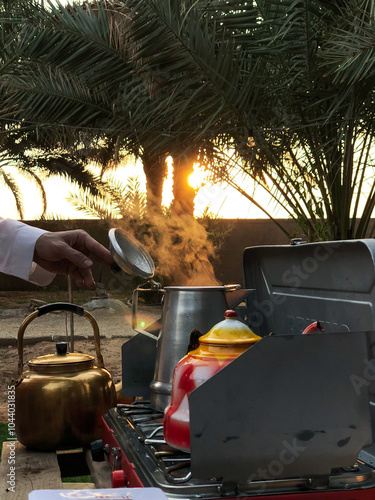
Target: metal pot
column 185, row 308
column 61, row 398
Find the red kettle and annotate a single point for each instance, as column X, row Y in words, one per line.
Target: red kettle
column 221, row 345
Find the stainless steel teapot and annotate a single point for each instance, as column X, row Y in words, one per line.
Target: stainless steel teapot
column 185, row 308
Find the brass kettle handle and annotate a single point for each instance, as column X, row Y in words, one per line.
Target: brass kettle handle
column 57, row 306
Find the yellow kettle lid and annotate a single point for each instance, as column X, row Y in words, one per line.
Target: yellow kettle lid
column 230, row 331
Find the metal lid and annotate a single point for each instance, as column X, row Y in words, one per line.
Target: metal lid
column 230, row 331
column 52, row 363
column 129, row 254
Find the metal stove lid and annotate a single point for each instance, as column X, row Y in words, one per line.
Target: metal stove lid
column 332, row 282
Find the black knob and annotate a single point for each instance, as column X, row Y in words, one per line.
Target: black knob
column 61, row 348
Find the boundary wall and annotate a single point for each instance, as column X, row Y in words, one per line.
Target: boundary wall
column 241, row 233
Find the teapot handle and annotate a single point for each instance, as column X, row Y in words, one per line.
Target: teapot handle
column 57, row 306
column 154, row 329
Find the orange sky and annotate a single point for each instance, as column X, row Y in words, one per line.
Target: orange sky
column 224, row 202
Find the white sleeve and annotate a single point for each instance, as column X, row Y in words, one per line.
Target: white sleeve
column 17, row 242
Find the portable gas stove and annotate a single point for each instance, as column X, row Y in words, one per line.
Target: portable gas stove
column 133, row 437
column 289, row 419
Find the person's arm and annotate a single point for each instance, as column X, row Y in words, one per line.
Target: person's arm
column 17, row 243
column 36, row 255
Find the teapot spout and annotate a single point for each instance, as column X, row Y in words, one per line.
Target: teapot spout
column 235, row 296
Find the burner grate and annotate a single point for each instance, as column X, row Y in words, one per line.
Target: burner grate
column 148, row 423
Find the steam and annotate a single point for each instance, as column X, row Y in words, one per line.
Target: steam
column 179, row 246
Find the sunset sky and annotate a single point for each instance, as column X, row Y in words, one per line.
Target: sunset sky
column 222, row 201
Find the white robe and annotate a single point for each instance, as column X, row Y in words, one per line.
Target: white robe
column 17, row 243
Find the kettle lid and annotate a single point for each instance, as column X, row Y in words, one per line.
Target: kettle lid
column 61, row 361
column 230, row 331
column 129, row 254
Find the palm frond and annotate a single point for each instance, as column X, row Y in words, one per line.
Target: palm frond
column 116, row 200
column 35, row 179
column 348, row 50
column 7, row 180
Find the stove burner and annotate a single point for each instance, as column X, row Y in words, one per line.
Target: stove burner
column 149, row 461
column 148, row 423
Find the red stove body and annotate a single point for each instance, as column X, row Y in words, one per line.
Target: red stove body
column 289, row 419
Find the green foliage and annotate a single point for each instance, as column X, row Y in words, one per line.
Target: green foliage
column 3, row 432
column 217, row 231
column 285, row 86
column 114, row 201
column 299, row 130
column 77, row 479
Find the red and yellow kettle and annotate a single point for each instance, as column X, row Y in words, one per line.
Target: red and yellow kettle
column 221, row 345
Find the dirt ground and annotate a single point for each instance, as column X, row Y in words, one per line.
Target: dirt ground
column 114, row 327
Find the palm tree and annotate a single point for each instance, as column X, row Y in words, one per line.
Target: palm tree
column 35, row 151
column 192, row 244
column 62, row 73
column 77, row 67
column 115, row 201
column 262, row 79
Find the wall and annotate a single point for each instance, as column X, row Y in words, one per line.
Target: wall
column 248, row 233
column 240, row 234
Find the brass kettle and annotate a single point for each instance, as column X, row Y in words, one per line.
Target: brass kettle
column 61, row 398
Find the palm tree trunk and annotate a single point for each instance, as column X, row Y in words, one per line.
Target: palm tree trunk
column 155, row 169
column 183, row 193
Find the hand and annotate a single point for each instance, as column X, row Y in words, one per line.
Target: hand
column 71, row 252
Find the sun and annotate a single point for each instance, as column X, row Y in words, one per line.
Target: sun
column 198, row 178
